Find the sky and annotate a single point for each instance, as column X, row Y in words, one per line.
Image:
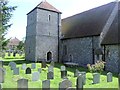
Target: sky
column 67, row 7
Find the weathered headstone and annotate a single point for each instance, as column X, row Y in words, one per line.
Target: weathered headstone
column 35, row 76
column 12, row 65
column 79, row 82
column 63, row 68
column 28, row 70
column 50, row 69
column 65, row 84
column 109, row 77
column 22, row 83
column 84, row 77
column 24, row 66
column 76, row 73
column 16, row 71
column 2, row 71
column 50, row 75
column 9, row 54
column 1, row 64
column 33, row 65
column 52, row 63
column 39, row 70
column 46, row 85
column 64, row 74
column 96, row 78
column 43, row 64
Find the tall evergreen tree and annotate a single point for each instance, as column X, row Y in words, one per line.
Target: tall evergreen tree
column 5, row 16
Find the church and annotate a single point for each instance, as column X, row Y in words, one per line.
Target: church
column 83, row 38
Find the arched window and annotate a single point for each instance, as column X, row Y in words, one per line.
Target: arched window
column 49, row 56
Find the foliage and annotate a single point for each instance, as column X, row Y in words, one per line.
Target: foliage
column 20, row 46
column 5, row 16
column 97, row 67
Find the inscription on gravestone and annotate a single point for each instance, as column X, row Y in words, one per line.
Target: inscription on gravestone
column 109, row 77
column 96, row 78
column 16, row 71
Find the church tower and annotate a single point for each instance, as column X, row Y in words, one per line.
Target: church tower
column 42, row 33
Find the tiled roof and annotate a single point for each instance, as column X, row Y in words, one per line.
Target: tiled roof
column 14, row 41
column 88, row 23
column 47, row 6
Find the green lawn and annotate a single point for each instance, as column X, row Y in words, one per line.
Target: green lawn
column 11, row 80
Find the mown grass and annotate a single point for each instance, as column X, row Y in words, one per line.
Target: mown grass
column 11, row 80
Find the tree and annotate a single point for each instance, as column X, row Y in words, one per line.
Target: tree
column 20, row 46
column 5, row 16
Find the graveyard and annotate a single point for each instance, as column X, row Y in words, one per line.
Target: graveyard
column 37, row 75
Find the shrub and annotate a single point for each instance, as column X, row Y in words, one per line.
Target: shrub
column 97, row 67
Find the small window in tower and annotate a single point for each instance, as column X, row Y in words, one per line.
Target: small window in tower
column 49, row 17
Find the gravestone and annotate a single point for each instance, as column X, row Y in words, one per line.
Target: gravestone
column 46, row 85
column 9, row 54
column 16, row 71
column 39, row 70
column 65, row 84
column 35, row 76
column 96, row 78
column 84, row 76
column 64, row 74
column 24, row 66
column 50, row 69
column 76, row 73
column 63, row 68
column 52, row 63
column 14, row 54
column 1, row 64
column 12, row 65
column 50, row 75
column 43, row 64
column 79, row 82
column 33, row 65
column 22, row 83
column 109, row 77
column 28, row 70
column 2, row 72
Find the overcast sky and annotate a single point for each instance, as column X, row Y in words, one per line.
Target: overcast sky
column 67, row 7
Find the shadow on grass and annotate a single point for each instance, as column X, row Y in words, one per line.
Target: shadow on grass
column 17, row 61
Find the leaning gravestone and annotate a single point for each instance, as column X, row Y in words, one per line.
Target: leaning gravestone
column 65, row 84
column 35, row 76
column 46, row 85
column 33, row 66
column 79, row 82
column 109, row 77
column 50, row 69
column 28, row 71
column 12, row 65
column 39, row 70
column 43, row 64
column 96, row 78
column 50, row 75
column 1, row 64
column 24, row 66
column 2, row 75
column 16, row 71
column 22, row 84
column 52, row 63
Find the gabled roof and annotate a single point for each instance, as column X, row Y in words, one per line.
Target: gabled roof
column 15, row 41
column 113, row 36
column 88, row 23
column 46, row 6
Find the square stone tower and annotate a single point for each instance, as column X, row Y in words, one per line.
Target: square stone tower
column 42, row 33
